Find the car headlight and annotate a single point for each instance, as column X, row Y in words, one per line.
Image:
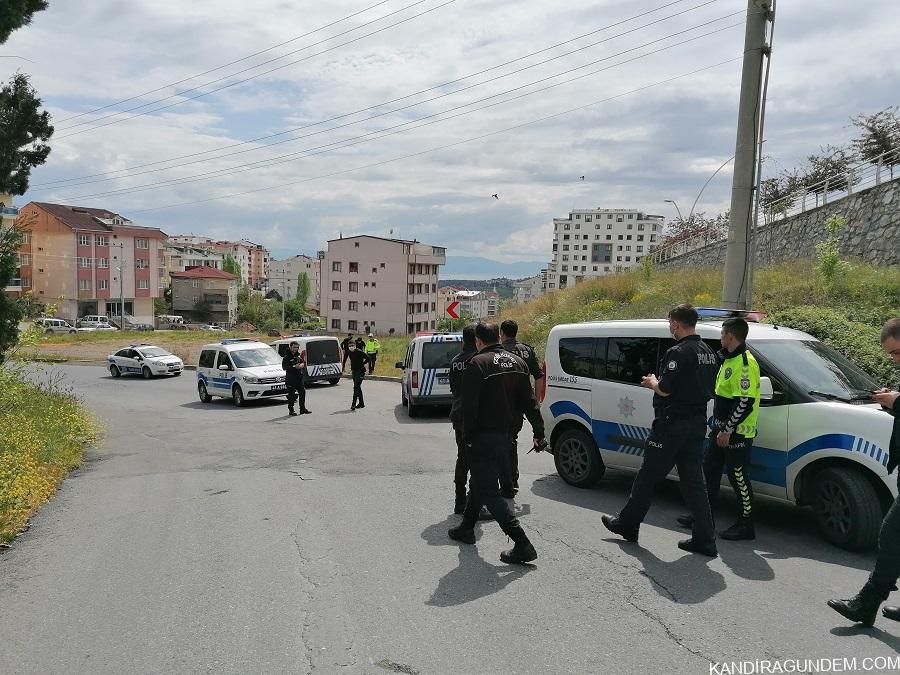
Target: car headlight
column 281, row 379
column 251, row 380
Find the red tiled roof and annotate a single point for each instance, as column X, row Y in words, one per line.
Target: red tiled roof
column 202, row 272
column 85, row 218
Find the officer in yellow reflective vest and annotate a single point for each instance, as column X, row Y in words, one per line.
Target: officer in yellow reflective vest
column 371, row 349
column 735, row 414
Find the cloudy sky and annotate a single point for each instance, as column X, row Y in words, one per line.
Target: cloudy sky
column 408, row 115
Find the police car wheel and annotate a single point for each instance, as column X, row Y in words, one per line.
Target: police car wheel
column 114, row 371
column 238, row 396
column 577, row 458
column 204, row 395
column 413, row 409
column 846, row 508
column 145, row 371
column 334, row 380
column 403, row 400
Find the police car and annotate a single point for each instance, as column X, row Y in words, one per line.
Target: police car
column 426, row 370
column 323, row 356
column 241, row 369
column 143, row 359
column 821, row 440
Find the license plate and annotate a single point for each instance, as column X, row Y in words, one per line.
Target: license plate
column 278, row 387
column 443, row 380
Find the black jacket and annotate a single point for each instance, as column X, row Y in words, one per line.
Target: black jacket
column 894, row 458
column 457, row 368
column 293, row 376
column 358, row 360
column 526, row 353
column 496, row 392
column 687, row 373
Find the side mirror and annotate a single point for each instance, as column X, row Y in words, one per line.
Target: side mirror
column 399, row 365
column 766, row 391
column 224, row 366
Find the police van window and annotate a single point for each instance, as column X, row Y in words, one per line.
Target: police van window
column 583, row 356
column 438, row 354
column 223, row 360
column 123, row 353
column 207, row 358
column 283, row 349
column 629, row 359
column 319, row 352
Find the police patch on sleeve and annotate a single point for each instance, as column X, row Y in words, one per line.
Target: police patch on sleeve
column 745, row 383
column 672, row 365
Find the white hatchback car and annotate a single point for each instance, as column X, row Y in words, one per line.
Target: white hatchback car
column 821, row 440
column 145, row 360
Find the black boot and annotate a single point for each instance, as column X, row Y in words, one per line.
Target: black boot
column 462, row 533
column 523, row 552
column 892, row 613
column 742, row 530
column 861, row 608
column 692, row 546
column 613, row 525
column 460, row 504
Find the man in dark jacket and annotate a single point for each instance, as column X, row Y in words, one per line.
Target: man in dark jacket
column 509, row 477
column 457, row 368
column 496, row 393
column 293, row 364
column 358, row 361
column 345, row 343
column 862, row 607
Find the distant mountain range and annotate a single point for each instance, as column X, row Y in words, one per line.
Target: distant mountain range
column 474, row 267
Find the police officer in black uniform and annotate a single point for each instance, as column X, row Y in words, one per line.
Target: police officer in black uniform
column 686, row 384
column 358, row 362
column 457, row 368
column 293, row 364
column 495, row 393
column 509, row 329
column 345, row 348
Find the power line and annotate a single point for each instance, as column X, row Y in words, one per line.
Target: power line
column 399, row 128
column 440, row 147
column 225, row 65
column 79, row 179
column 252, row 77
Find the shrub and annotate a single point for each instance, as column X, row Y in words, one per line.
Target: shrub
column 859, row 342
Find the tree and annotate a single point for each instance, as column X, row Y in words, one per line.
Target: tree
column 831, row 169
column 697, row 224
column 294, row 312
column 17, row 13
column 778, row 194
column 24, row 130
column 273, row 295
column 11, row 311
column 880, row 135
column 454, row 325
column 229, row 264
column 302, row 289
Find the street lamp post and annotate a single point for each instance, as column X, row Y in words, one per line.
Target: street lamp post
column 672, row 201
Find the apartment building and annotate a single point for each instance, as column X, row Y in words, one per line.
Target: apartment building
column 381, row 285
column 476, row 304
column 205, row 294
column 283, row 276
column 528, row 289
column 179, row 257
column 252, row 258
column 595, row 242
column 91, row 261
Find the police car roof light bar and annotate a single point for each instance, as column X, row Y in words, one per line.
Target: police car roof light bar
column 725, row 313
column 231, row 341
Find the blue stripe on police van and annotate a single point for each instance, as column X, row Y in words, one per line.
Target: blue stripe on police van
column 769, row 465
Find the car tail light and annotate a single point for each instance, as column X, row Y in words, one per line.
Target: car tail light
column 540, row 387
column 415, row 379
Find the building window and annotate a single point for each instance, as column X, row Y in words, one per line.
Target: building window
column 372, row 304
column 352, row 306
column 195, row 299
column 335, row 324
column 336, row 266
column 22, row 259
column 627, row 258
column 84, row 262
column 141, row 264
column 609, row 237
column 102, row 240
column 354, row 285
column 595, row 268
column 335, row 285
column 565, row 247
column 587, row 219
column 84, row 240
column 141, row 243
column 640, row 237
column 352, row 324
column 618, row 258
column 373, row 284
column 103, row 263
column 652, row 237
column 356, row 244
column 640, row 226
column 381, row 265
column 577, row 217
column 365, row 284
column 354, row 267
column 195, row 283
column 619, row 219
column 565, row 237
column 143, row 283
column 628, row 248
column 335, row 304
column 639, row 249
column 609, row 225
column 84, row 284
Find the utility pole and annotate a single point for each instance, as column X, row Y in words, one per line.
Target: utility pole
column 121, row 270
column 738, row 256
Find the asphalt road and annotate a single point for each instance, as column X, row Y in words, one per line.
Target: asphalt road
column 210, row 539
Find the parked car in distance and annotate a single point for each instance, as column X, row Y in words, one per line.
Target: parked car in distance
column 212, row 326
column 53, row 326
column 144, row 360
column 138, row 326
column 92, row 321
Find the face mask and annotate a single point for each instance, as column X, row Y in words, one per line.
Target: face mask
column 352, row 348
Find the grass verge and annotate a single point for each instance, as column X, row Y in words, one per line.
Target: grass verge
column 43, row 433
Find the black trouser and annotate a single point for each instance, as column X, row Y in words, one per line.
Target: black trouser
column 358, row 377
column 344, row 362
column 296, row 390
column 736, row 458
column 677, row 441
column 372, row 358
column 883, row 579
column 509, row 466
column 461, row 474
column 484, row 457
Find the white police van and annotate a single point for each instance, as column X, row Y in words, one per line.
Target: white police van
column 323, row 356
column 241, row 369
column 821, row 440
column 426, row 370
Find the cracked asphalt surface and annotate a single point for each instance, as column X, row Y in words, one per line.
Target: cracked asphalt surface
column 210, row 539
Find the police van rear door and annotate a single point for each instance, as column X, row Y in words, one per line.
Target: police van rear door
column 323, row 357
column 436, row 355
